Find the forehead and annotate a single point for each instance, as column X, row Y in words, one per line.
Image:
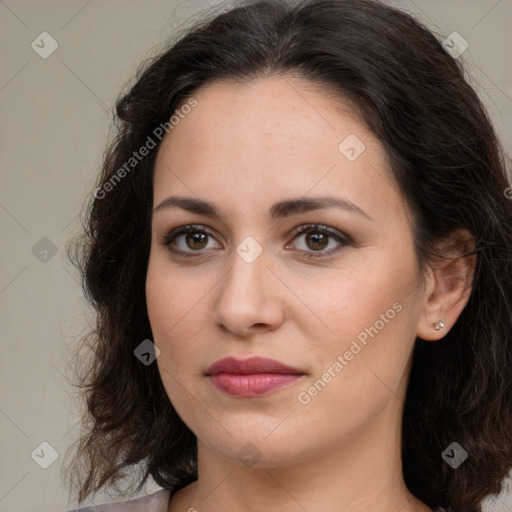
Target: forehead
column 267, row 137
column 250, row 115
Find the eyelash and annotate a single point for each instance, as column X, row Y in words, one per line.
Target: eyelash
column 344, row 240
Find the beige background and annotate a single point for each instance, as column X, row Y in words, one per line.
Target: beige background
column 55, row 119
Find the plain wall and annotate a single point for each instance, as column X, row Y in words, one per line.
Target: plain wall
column 56, row 115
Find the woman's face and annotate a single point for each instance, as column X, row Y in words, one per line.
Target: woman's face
column 339, row 303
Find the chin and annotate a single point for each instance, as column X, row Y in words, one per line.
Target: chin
column 260, row 450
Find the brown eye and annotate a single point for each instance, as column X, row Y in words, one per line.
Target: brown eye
column 189, row 239
column 196, row 240
column 315, row 238
column 317, row 241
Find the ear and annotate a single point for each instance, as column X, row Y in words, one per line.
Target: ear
column 448, row 285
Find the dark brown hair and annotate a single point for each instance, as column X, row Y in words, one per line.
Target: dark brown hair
column 450, row 168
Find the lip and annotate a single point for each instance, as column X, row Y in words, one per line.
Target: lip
column 255, row 376
column 251, row 366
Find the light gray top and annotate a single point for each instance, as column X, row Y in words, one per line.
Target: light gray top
column 157, row 501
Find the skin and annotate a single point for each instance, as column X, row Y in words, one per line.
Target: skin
column 245, row 147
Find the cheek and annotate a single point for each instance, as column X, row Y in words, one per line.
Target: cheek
column 370, row 312
column 178, row 312
column 360, row 373
column 173, row 298
column 349, row 301
column 171, row 313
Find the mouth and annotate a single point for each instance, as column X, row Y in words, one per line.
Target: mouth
column 255, row 376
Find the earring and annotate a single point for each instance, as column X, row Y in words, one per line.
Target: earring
column 438, row 325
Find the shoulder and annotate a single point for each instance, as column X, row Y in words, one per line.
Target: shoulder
column 157, row 501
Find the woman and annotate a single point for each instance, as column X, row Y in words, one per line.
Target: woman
column 299, row 252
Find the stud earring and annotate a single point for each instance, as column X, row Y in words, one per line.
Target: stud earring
column 438, row 325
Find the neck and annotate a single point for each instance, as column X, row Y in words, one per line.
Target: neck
column 363, row 472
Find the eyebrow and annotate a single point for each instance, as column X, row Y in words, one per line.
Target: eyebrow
column 279, row 210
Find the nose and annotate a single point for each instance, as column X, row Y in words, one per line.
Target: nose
column 249, row 299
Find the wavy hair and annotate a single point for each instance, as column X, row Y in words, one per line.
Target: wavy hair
column 450, row 168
